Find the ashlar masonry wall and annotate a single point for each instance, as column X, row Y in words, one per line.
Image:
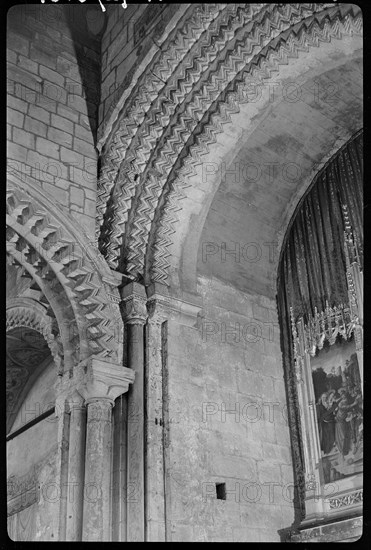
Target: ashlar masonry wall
column 228, row 421
column 129, row 42
column 53, row 72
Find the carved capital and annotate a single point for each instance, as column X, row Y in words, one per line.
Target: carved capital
column 104, row 380
column 158, row 311
column 133, row 305
column 75, row 401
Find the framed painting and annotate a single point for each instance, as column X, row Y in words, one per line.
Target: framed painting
column 339, row 410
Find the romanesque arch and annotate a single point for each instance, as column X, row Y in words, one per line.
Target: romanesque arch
column 155, row 151
column 74, row 278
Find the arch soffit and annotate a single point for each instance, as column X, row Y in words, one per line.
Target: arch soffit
column 153, row 223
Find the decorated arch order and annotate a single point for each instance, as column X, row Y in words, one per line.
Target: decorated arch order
column 157, row 142
column 74, row 278
column 27, row 313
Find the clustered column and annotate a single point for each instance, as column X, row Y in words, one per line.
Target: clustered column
column 85, row 425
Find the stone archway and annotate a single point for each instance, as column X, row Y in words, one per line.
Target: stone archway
column 151, row 176
column 74, row 278
column 82, row 324
column 32, row 340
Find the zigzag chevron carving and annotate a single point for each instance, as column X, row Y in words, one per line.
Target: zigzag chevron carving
column 189, row 78
column 165, row 131
column 67, row 270
column 310, row 36
column 161, row 115
column 146, row 91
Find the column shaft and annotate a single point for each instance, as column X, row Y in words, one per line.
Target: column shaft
column 135, row 427
column 154, row 494
column 76, row 460
column 97, row 490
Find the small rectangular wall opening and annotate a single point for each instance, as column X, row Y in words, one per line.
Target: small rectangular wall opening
column 221, row 493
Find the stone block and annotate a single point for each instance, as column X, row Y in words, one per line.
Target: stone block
column 46, row 147
column 70, row 157
column 60, row 137
column 125, row 65
column 11, row 56
column 54, row 92
column 24, row 138
column 90, row 166
column 39, row 114
column 46, row 168
column 17, row 104
column 90, row 194
column 107, row 83
column 24, row 80
column 68, row 68
column 59, row 195
column 84, row 148
column 35, row 126
column 17, row 43
column 84, row 121
column 246, row 534
column 75, row 208
column 266, row 517
column 287, row 473
column 27, row 64
column 62, row 123
column 77, row 103
column 261, row 313
column 16, row 151
column 15, row 118
column 46, row 103
column 276, row 453
column 42, row 56
column 63, row 183
column 77, row 195
column 90, row 207
column 86, row 135
column 67, row 112
column 50, row 75
column 81, row 177
column 228, row 466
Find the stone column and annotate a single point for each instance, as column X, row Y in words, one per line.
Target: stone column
column 134, row 315
column 76, row 459
column 157, row 306
column 104, row 383
column 61, row 412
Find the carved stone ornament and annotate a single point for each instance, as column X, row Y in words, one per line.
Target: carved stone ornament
column 150, row 153
column 355, row 497
column 103, row 380
column 69, row 270
column 133, row 305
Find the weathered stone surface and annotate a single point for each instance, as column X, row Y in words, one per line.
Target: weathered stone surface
column 192, row 194
column 37, row 86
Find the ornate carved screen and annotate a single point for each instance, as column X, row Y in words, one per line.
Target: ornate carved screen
column 320, row 303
